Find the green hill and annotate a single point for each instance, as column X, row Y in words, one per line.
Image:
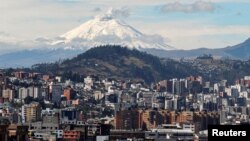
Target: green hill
column 118, row 62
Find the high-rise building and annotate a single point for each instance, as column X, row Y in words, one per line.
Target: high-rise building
column 22, row 93
column 241, row 101
column 45, row 93
column 69, row 93
column 170, row 117
column 174, row 85
column 57, row 91
column 181, row 103
column 34, row 92
column 30, row 91
column 31, row 112
column 37, row 92
column 21, row 74
column 152, row 118
column 2, row 83
column 8, row 94
column 184, row 117
column 127, row 119
column 169, row 86
column 69, row 116
column 180, row 86
column 203, row 119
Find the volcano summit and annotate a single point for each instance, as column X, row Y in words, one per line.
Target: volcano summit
column 108, row 30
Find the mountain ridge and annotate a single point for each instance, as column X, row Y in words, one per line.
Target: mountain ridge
column 28, row 58
column 131, row 64
column 239, row 51
column 120, row 62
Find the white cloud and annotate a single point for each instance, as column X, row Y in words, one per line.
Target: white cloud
column 9, row 43
column 34, row 18
column 7, row 38
column 123, row 12
column 151, row 2
column 191, row 34
column 198, row 6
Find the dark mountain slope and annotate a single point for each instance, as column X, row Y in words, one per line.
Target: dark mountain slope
column 119, row 62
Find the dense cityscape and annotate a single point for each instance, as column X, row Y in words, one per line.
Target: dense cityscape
column 39, row 106
column 124, row 70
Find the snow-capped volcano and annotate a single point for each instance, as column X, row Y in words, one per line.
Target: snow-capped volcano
column 106, row 29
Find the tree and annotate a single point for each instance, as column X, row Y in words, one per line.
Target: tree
column 28, row 99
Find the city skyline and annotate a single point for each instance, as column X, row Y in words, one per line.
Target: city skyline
column 184, row 24
column 116, row 70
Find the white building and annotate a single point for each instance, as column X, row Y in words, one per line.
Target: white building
column 169, row 132
column 8, row 93
column 22, row 93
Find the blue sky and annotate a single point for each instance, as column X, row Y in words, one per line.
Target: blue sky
column 186, row 24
